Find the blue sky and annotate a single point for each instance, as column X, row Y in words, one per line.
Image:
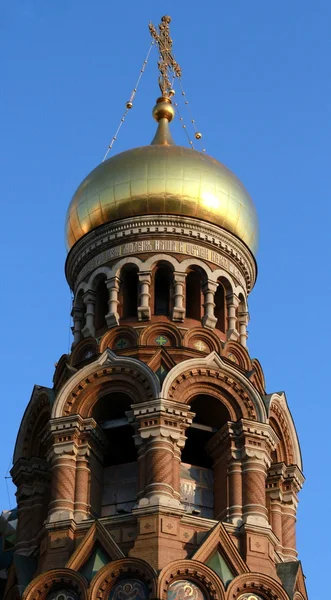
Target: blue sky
column 257, row 76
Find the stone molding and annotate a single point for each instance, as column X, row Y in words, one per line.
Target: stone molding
column 42, row 585
column 214, row 366
column 86, row 256
column 106, row 364
column 256, row 583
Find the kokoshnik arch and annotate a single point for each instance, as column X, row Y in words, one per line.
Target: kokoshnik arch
column 157, row 466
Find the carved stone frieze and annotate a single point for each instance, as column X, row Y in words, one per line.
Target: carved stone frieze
column 166, row 234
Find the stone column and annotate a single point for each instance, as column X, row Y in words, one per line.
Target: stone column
column 77, row 316
column 232, row 302
column 112, row 317
column 178, row 312
column 160, row 435
column 89, row 299
column 274, row 500
column 32, row 478
column 209, row 320
column 82, row 487
column 243, row 320
column 144, row 309
column 293, row 481
column 258, row 440
column 227, row 475
column 62, row 457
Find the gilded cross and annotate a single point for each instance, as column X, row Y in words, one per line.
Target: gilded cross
column 167, row 64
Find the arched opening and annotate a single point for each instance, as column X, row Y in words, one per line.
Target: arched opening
column 197, row 480
column 220, row 307
column 129, row 292
column 115, row 477
column 162, row 289
column 193, row 296
column 101, row 306
column 80, row 305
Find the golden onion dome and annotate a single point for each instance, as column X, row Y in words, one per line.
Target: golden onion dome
column 162, row 179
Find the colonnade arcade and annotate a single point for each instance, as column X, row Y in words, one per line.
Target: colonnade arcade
column 137, row 291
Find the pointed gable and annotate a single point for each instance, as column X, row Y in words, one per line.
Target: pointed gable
column 95, row 550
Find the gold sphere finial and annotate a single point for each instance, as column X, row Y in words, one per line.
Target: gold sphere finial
column 163, row 109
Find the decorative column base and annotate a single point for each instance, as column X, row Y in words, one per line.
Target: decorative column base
column 112, row 320
column 178, row 314
column 209, row 321
column 144, row 313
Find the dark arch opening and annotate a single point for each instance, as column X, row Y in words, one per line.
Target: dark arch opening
column 162, row 288
column 101, row 306
column 220, row 307
column 129, row 292
column 114, row 477
column 109, row 413
column 197, row 483
column 210, row 416
column 79, row 303
column 193, row 295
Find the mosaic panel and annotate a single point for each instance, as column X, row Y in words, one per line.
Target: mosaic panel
column 129, row 589
column 185, row 590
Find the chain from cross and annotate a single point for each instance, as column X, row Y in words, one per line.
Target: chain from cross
column 167, row 64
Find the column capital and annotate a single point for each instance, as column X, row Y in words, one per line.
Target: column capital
column 179, row 276
column 232, row 298
column 89, row 296
column 112, row 282
column 210, row 286
column 160, row 418
column 145, row 276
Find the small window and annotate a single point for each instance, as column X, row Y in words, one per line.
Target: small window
column 101, row 306
column 129, row 292
column 162, row 286
column 220, row 307
column 193, row 295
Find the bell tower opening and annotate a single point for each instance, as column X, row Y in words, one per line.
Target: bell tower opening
column 115, row 487
column 194, row 298
column 197, row 479
column 162, row 289
column 129, row 292
column 101, row 306
column 220, row 307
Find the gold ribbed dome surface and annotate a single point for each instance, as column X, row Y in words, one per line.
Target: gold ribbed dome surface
column 162, row 179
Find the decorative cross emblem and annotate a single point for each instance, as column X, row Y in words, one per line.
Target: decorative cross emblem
column 167, row 64
column 161, row 340
column 121, row 344
column 200, row 346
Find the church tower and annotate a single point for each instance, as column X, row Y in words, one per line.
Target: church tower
column 157, row 467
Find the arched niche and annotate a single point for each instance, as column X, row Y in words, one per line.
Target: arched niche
column 101, row 304
column 118, row 469
column 128, row 296
column 197, row 476
column 220, row 311
column 193, row 293
column 162, row 283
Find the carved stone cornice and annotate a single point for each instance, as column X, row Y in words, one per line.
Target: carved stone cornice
column 105, row 244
